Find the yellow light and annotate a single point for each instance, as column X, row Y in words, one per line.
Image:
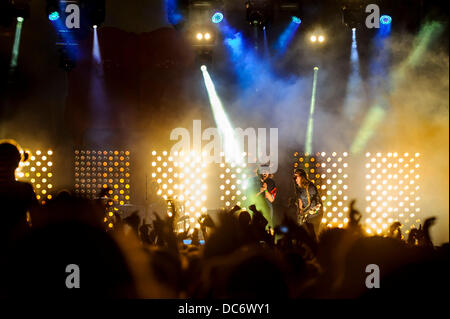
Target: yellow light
column 199, row 36
column 313, row 38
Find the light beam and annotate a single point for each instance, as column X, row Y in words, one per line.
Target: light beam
column 310, row 128
column 286, row 37
column 16, row 46
column 353, row 98
column 96, row 47
column 231, row 147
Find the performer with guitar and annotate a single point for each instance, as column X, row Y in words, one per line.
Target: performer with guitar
column 309, row 203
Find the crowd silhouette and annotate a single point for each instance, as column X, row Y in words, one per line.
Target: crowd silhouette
column 235, row 256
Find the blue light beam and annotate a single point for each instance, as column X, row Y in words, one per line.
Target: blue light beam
column 96, row 48
column 286, row 37
column 354, row 97
column 250, row 69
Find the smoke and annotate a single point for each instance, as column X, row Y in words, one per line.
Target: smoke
column 418, row 121
column 412, row 90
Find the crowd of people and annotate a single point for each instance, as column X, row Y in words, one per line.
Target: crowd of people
column 235, row 256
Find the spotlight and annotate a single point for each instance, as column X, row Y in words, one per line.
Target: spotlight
column 53, row 16
column 317, row 38
column 296, row 20
column 217, row 17
column 204, row 37
column 94, row 26
column 19, row 19
column 385, row 19
column 203, row 68
column 52, row 9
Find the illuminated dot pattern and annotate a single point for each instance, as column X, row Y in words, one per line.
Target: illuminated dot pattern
column 233, row 181
column 392, row 191
column 38, row 170
column 329, row 173
column 97, row 170
column 182, row 177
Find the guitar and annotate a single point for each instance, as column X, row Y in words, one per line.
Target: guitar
column 308, row 213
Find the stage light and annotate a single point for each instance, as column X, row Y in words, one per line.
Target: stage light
column 321, row 38
column 310, row 127
column 217, row 17
column 285, row 38
column 96, row 171
column 203, row 68
column 385, row 19
column 175, row 185
column 96, row 54
column 16, row 46
column 52, row 9
column 231, row 146
column 313, row 38
column 354, row 92
column 53, row 16
column 331, row 183
column 37, row 175
column 203, row 37
column 231, row 190
column 296, row 20
column 393, row 201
